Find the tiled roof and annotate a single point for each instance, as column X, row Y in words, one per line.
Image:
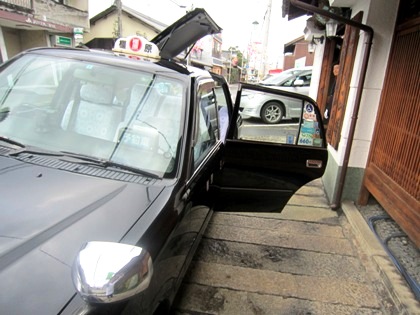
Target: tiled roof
column 157, row 25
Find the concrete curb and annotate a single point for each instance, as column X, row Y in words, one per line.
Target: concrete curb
column 394, row 282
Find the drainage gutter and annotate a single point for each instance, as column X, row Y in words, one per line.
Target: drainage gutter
column 336, row 200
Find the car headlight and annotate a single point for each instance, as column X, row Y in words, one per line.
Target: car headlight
column 106, row 272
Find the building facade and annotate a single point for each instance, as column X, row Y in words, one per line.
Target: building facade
column 297, row 54
column 206, row 53
column 104, row 27
column 374, row 129
column 33, row 23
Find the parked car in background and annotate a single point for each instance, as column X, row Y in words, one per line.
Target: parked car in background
column 278, row 79
column 273, row 110
column 111, row 165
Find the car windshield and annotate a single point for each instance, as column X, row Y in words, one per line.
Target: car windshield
column 131, row 118
column 281, row 77
column 277, row 78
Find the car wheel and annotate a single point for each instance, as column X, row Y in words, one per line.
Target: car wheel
column 272, row 113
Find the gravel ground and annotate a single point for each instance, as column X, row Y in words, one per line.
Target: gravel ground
column 405, row 252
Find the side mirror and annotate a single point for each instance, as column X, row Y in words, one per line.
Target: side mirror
column 106, row 272
column 298, row 82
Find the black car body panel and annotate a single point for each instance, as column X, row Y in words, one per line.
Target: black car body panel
column 46, row 215
column 101, row 148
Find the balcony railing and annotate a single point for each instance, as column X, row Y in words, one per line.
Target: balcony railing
column 24, row 5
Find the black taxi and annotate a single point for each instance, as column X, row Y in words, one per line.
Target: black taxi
column 112, row 163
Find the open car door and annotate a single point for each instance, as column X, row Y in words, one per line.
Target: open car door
column 265, row 164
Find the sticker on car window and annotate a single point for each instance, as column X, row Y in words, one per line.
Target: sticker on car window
column 310, row 133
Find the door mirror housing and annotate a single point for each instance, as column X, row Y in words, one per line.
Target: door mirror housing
column 298, row 82
column 106, row 272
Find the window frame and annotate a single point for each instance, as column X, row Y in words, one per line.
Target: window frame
column 209, row 86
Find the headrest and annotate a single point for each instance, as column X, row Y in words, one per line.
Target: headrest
column 137, row 92
column 96, row 93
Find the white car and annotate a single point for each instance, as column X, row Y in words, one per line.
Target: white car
column 272, row 110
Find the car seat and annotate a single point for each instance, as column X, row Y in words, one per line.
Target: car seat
column 94, row 114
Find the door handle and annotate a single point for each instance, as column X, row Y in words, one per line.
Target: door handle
column 186, row 195
column 313, row 163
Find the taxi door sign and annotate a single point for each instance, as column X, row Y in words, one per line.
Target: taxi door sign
column 309, row 133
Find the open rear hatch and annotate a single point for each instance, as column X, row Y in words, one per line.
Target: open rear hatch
column 185, row 32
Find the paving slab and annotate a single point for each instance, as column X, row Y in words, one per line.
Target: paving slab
column 279, row 259
column 326, row 244
column 211, row 300
column 309, row 201
column 309, row 214
column 267, row 223
column 312, row 288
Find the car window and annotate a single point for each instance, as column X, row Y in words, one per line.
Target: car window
column 278, row 78
column 110, row 113
column 306, row 78
column 151, row 131
column 222, row 110
column 284, row 78
column 289, row 81
column 300, row 124
column 275, row 79
column 207, row 131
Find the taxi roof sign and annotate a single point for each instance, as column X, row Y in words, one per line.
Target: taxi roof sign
column 137, row 47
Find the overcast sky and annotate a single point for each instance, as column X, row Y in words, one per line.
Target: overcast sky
column 235, row 17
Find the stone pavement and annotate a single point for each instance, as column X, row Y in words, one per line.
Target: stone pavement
column 306, row 260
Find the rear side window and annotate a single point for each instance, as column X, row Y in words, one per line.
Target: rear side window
column 207, row 131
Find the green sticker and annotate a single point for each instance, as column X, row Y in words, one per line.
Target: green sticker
column 110, row 275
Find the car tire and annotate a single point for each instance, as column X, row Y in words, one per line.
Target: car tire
column 272, row 113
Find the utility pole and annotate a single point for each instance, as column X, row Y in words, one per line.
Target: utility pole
column 118, row 4
column 230, row 65
column 251, row 58
column 265, row 38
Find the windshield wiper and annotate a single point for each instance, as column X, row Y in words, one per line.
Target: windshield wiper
column 128, row 168
column 107, row 163
column 14, row 142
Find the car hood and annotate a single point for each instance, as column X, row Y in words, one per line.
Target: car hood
column 185, row 32
column 46, row 215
